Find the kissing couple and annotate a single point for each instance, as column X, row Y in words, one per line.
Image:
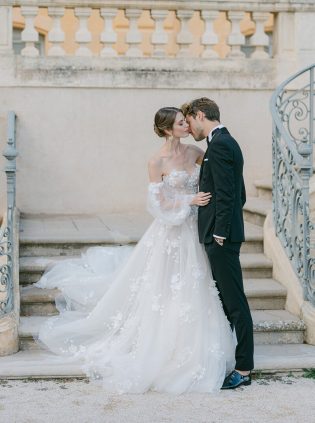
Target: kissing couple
column 169, row 315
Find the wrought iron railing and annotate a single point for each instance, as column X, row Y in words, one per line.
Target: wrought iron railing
column 7, row 255
column 292, row 108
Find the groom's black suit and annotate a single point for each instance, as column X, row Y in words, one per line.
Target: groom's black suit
column 221, row 174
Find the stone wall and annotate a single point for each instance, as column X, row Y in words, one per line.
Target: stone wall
column 85, row 133
column 85, row 117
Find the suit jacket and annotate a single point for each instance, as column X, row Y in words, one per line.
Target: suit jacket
column 221, row 174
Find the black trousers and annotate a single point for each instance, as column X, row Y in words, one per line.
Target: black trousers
column 227, row 272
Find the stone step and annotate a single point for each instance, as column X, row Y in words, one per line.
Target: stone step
column 37, row 242
column 38, row 364
column 254, row 239
column 42, row 364
column 32, row 268
column 265, row 294
column 255, row 265
column 261, row 293
column 52, row 235
column 256, row 209
column 264, row 188
column 270, row 327
column 277, row 327
column 37, row 301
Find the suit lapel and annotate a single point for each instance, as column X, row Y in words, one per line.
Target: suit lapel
column 220, row 131
column 202, row 165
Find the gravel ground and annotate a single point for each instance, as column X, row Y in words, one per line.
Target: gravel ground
column 274, row 399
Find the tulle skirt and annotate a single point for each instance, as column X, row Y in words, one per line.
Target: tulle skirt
column 142, row 318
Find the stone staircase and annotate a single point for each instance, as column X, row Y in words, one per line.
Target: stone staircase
column 47, row 239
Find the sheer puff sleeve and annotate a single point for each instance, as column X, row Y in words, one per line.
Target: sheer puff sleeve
column 171, row 208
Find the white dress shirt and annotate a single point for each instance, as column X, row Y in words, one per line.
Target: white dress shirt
column 216, row 127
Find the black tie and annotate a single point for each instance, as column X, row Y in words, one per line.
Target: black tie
column 208, row 142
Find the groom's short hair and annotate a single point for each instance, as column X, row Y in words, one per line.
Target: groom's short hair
column 203, row 104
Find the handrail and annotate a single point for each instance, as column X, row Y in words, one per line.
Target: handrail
column 288, row 5
column 293, row 117
column 274, row 110
column 7, row 232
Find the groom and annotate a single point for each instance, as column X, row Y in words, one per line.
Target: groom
column 221, row 226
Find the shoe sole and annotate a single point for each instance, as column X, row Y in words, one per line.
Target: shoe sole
column 242, row 383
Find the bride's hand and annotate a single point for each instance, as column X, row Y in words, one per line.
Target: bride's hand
column 201, row 199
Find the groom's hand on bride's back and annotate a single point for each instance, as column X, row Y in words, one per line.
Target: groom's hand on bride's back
column 201, row 199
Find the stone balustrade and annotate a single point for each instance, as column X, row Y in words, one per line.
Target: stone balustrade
column 205, row 29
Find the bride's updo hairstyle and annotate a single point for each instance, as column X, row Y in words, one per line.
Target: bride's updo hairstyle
column 164, row 120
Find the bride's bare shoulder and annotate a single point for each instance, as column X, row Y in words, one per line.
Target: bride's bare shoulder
column 155, row 160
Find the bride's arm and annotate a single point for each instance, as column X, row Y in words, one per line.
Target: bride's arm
column 170, row 207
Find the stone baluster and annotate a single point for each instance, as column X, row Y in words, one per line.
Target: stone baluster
column 159, row 36
column 6, row 30
column 236, row 39
column 29, row 34
column 209, row 38
column 260, row 39
column 83, row 35
column 108, row 36
column 133, row 37
column 184, row 38
column 56, row 35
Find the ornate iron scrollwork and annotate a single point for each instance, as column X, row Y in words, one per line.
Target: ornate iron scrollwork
column 6, row 233
column 293, row 137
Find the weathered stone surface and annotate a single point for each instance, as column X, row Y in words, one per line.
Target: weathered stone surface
column 256, row 210
column 81, row 91
column 9, row 341
column 264, row 189
column 37, row 363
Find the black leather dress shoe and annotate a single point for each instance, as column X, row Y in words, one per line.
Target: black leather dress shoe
column 235, row 379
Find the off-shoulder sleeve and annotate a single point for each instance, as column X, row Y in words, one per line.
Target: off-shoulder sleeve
column 170, row 208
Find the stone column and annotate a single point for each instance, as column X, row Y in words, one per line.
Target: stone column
column 83, row 35
column 159, row 36
column 209, row 38
column 6, row 30
column 304, row 38
column 284, row 45
column 184, row 38
column 29, row 34
column 260, row 39
column 133, row 36
column 236, row 38
column 108, row 36
column 56, row 35
column 283, row 36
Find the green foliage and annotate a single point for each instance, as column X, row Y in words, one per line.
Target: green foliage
column 258, row 375
column 309, row 373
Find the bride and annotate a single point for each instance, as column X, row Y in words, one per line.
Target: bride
column 148, row 317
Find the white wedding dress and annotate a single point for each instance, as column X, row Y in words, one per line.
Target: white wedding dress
column 146, row 317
